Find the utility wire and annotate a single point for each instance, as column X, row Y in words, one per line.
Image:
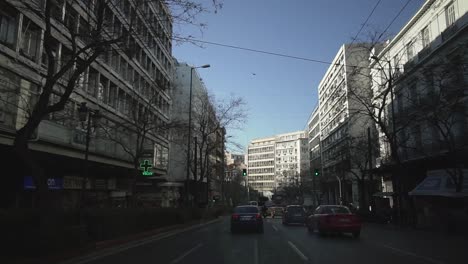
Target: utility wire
column 365, row 22
column 394, row 19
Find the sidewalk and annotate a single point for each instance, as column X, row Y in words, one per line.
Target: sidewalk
column 106, row 244
column 437, row 245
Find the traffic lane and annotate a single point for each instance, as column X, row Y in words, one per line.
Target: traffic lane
column 221, row 246
column 164, row 250
column 344, row 248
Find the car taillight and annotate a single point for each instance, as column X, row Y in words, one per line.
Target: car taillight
column 258, row 216
column 235, row 216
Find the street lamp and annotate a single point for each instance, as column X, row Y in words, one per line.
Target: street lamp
column 187, row 184
column 90, row 115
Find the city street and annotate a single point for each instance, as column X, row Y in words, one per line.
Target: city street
column 288, row 244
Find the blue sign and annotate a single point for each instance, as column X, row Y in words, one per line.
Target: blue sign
column 52, row 183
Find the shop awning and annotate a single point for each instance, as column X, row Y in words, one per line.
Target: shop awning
column 439, row 183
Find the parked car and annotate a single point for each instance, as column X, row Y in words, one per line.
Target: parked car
column 294, row 214
column 246, row 217
column 334, row 219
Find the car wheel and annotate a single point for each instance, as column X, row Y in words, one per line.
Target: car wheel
column 285, row 223
column 310, row 229
column 356, row 234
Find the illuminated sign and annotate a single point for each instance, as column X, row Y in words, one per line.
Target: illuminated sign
column 146, row 166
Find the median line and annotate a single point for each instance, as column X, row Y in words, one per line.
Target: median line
column 298, row 252
column 274, row 227
column 186, row 253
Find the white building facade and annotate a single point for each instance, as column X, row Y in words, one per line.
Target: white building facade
column 426, row 62
column 340, row 119
column 261, row 165
column 291, row 158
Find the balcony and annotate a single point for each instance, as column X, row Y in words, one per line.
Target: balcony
column 449, row 32
column 410, row 64
column 424, row 52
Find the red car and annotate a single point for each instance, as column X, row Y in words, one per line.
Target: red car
column 334, row 219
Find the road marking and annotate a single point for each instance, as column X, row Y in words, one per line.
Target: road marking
column 404, row 252
column 274, row 227
column 255, row 251
column 186, row 253
column 114, row 250
column 298, row 251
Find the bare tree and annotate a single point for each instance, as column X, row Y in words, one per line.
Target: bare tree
column 84, row 37
column 435, row 104
column 138, row 135
column 210, row 118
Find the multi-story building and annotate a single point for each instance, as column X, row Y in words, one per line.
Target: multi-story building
column 210, row 164
column 291, row 159
column 340, row 120
column 315, row 157
column 426, row 64
column 232, row 158
column 277, row 161
column 114, row 83
column 261, row 165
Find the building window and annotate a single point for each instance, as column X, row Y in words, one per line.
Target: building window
column 425, row 36
column 450, row 14
column 8, row 26
column 30, row 39
column 410, row 50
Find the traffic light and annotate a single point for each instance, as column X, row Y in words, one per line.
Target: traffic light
column 317, row 172
column 244, row 172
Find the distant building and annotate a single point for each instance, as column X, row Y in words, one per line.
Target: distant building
column 277, row 161
column 177, row 173
column 315, row 157
column 291, row 159
column 232, row 158
column 261, row 165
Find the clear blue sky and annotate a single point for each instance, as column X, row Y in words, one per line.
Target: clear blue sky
column 283, row 92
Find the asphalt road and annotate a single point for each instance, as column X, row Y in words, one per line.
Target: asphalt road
column 289, row 244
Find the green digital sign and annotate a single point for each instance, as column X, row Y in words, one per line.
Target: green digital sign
column 146, row 166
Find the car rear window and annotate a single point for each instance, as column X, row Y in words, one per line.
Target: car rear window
column 335, row 210
column 246, row 210
column 295, row 210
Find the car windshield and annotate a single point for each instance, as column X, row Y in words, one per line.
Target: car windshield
column 246, row 210
column 335, row 210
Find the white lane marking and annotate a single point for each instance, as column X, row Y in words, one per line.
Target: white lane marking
column 274, row 227
column 255, row 251
column 404, row 252
column 303, row 257
column 186, row 253
column 114, row 250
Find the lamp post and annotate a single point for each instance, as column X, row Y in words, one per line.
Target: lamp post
column 86, row 114
column 187, row 180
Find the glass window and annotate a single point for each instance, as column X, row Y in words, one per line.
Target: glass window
column 425, row 37
column 450, row 14
column 8, row 26
column 246, row 210
column 410, row 50
column 30, row 39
